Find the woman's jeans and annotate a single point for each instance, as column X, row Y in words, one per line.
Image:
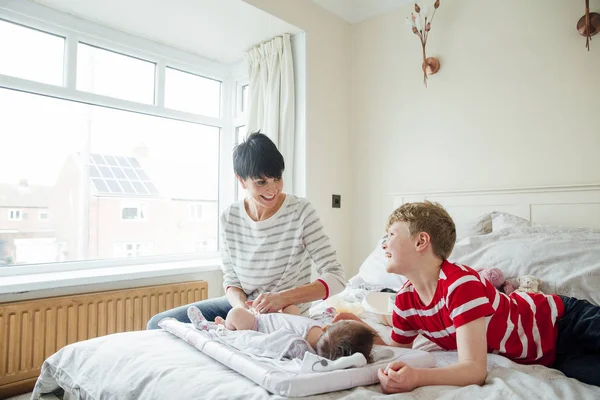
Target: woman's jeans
column 211, row 309
column 578, row 343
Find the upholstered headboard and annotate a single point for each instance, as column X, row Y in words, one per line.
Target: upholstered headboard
column 573, row 206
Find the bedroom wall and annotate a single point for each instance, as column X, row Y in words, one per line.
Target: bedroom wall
column 515, row 103
column 328, row 88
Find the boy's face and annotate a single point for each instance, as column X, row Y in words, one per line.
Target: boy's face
column 400, row 248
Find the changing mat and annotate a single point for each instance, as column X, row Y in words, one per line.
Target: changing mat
column 276, row 377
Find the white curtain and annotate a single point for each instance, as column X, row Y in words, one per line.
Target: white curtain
column 271, row 107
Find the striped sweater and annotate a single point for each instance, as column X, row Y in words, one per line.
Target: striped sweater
column 277, row 254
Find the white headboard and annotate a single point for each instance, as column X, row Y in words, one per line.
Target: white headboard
column 573, row 206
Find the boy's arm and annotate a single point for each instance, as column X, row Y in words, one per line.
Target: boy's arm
column 471, row 368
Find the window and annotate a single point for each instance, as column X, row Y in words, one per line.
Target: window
column 30, row 54
column 196, row 211
column 125, row 134
column 133, row 159
column 134, row 213
column 245, row 94
column 116, row 75
column 132, row 249
column 15, row 215
column 192, row 93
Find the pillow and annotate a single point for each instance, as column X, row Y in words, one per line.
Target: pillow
column 567, row 261
column 481, row 225
column 372, row 271
column 502, row 220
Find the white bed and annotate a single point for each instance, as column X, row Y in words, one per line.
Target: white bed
column 157, row 365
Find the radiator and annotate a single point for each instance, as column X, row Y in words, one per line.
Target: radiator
column 32, row 330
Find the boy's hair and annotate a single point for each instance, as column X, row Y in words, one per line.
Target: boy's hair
column 431, row 218
column 345, row 338
column 257, row 157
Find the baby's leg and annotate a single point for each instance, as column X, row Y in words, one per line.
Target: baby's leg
column 238, row 319
column 291, row 309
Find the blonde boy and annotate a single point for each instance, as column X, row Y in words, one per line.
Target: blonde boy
column 454, row 307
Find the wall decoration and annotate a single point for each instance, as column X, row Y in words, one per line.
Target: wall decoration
column 420, row 21
column 588, row 25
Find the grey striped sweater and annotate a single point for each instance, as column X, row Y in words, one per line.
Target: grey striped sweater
column 275, row 254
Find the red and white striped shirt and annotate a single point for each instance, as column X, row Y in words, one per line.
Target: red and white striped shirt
column 521, row 327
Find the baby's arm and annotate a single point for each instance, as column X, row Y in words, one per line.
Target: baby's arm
column 238, row 319
column 471, row 368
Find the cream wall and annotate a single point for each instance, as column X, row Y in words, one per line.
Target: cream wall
column 515, row 103
column 328, row 89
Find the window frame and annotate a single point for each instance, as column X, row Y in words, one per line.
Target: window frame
column 75, row 30
column 141, row 215
column 43, row 212
column 15, row 210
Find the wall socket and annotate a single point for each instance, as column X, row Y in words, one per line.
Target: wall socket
column 336, row 201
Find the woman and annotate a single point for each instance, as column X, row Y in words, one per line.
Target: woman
column 268, row 243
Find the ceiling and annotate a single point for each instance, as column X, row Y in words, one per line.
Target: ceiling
column 221, row 30
column 355, row 11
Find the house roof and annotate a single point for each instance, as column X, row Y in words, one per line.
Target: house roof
column 149, row 177
column 120, row 176
column 24, row 196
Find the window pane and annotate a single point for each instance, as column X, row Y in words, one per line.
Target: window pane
column 116, row 75
column 164, row 164
column 192, row 93
column 30, row 54
column 240, row 135
column 245, row 98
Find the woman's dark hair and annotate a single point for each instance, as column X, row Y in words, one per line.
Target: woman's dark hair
column 257, row 157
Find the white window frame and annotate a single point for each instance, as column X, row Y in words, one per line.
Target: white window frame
column 76, row 30
column 11, row 212
column 142, row 212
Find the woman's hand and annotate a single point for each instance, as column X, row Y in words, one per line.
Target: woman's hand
column 269, row 303
column 345, row 316
column 398, row 378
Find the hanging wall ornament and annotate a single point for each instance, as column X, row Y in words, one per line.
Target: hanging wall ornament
column 589, row 24
column 420, row 21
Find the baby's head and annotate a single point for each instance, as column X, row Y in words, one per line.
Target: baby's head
column 345, row 338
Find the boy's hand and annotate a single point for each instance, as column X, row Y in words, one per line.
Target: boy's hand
column 345, row 316
column 398, row 378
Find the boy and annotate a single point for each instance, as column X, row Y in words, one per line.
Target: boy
column 454, row 307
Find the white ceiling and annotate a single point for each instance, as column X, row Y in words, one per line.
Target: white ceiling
column 355, row 11
column 221, row 30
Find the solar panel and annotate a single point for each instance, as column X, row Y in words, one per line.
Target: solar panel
column 120, row 175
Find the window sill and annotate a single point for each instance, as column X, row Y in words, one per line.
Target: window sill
column 53, row 280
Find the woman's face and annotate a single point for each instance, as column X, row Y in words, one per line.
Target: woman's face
column 264, row 192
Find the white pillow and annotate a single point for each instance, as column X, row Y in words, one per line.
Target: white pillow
column 373, row 273
column 481, row 225
column 567, row 262
column 502, row 220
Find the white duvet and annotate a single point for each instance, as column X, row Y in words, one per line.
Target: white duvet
column 157, row 365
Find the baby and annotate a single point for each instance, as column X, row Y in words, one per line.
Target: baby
column 340, row 339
